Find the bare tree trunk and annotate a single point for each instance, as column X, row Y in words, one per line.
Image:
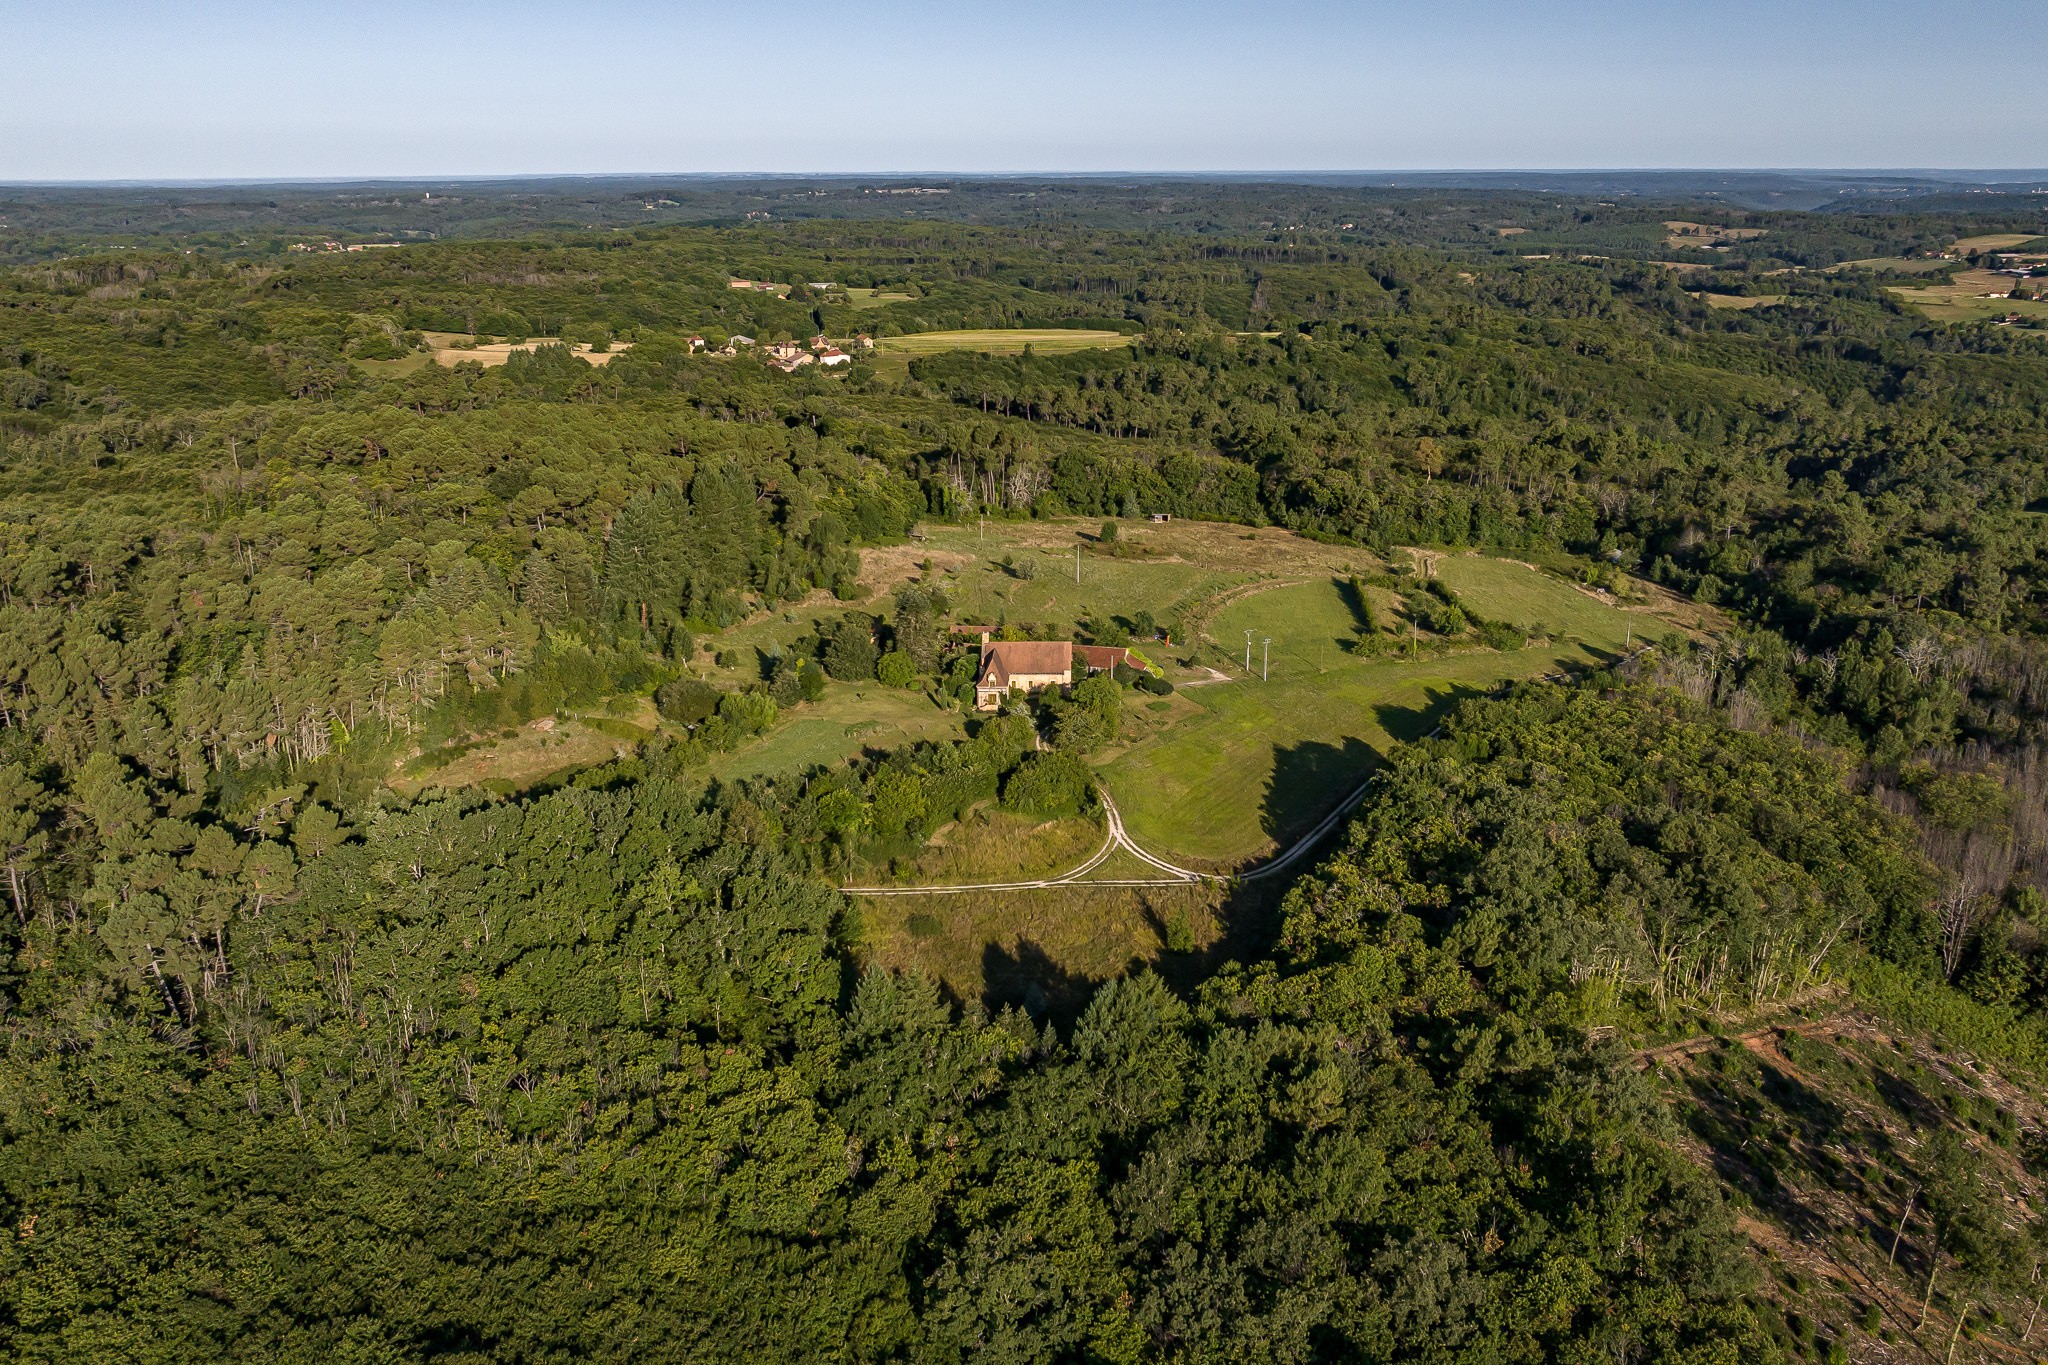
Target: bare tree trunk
column 1933, row 1264
column 1893, row 1259
column 1955, row 1335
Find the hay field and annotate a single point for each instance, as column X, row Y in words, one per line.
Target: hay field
column 452, row 348
column 1737, row 301
column 1994, row 241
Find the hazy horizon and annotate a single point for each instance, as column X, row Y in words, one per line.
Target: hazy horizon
column 240, row 90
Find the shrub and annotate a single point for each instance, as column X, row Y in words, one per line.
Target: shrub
column 896, row 669
column 1048, row 784
column 1502, row 636
column 748, row 713
column 686, row 701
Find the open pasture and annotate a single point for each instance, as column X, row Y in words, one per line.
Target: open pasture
column 875, row 298
column 1243, row 767
column 1965, row 298
column 848, row 719
column 1994, row 241
column 896, row 353
column 1896, row 265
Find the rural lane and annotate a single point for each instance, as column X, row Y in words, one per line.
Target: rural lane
column 1120, row 838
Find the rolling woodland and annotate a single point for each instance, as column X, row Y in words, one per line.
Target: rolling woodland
column 1564, row 1049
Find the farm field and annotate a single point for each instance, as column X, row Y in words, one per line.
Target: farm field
column 1739, row 302
column 452, row 348
column 1897, row 265
column 1963, row 301
column 1704, row 236
column 1994, row 241
column 894, row 354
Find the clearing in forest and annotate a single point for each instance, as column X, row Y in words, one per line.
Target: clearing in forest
column 1239, row 770
column 849, row 718
column 1738, row 301
column 452, row 348
column 1993, row 241
column 1707, row 236
column 896, row 353
column 876, row 298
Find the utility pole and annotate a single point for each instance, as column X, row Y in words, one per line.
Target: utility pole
column 1077, row 562
column 1265, row 658
column 981, row 530
column 1247, row 653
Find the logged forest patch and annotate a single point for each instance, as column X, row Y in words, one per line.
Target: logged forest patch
column 1832, row 1134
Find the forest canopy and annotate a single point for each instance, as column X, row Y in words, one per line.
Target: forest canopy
column 298, row 1065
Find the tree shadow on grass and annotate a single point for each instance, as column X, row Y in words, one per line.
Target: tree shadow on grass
column 1354, row 597
column 1410, row 723
column 1027, row 976
column 1307, row 780
column 1024, row 975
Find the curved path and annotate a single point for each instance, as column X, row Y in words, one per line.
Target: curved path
column 1120, row 838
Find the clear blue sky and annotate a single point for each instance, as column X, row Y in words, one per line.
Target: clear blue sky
column 102, row 89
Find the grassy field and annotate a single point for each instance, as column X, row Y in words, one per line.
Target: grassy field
column 1503, row 590
column 1962, row 301
column 1042, row 950
column 1166, row 569
column 1238, row 769
column 894, row 354
column 847, row 720
column 994, row 845
column 1739, row 301
column 1896, row 265
column 514, row 760
column 875, row 298
column 1994, row 241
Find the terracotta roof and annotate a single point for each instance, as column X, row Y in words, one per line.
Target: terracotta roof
column 1103, row 656
column 1002, row 660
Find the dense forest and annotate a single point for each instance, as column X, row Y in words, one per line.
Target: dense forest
column 299, row 1068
